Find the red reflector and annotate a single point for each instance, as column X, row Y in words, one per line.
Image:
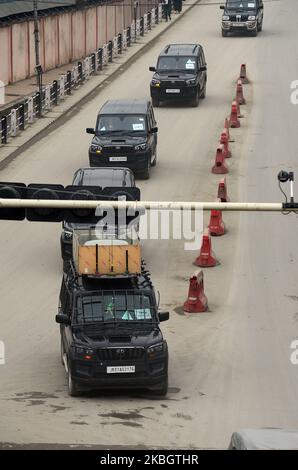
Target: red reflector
column 88, row 357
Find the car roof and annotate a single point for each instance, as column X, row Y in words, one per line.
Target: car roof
column 181, row 49
column 125, row 107
column 104, row 177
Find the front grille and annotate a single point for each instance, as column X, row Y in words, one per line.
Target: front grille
column 238, row 18
column 120, row 354
column 176, row 84
column 117, row 149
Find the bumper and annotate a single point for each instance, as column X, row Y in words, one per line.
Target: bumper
column 185, row 93
column 137, row 162
column 92, row 377
column 241, row 27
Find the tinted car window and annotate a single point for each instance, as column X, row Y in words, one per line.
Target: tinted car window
column 114, row 123
column 177, row 63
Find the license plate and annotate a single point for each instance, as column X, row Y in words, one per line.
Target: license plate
column 121, row 370
column 239, row 24
column 173, row 90
column 118, row 159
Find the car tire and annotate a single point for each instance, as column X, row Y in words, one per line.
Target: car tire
column 203, row 93
column 254, row 32
column 61, row 352
column 196, row 99
column 155, row 159
column 224, row 33
column 146, row 173
column 260, row 26
column 163, row 388
column 155, row 102
column 73, row 390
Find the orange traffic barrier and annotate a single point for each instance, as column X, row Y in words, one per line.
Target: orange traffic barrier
column 222, row 192
column 243, row 74
column 216, row 225
column 224, row 140
column 219, row 167
column 234, row 120
column 239, row 93
column 206, row 258
column 197, row 301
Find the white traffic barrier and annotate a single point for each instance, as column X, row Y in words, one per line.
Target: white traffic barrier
column 105, row 54
column 149, row 205
column 87, row 67
column 47, row 97
column 62, row 86
column 133, row 32
column 159, row 12
column 124, row 39
column 138, row 27
column 74, row 74
column 13, row 122
column 30, row 110
column 153, row 16
column 145, row 23
column 115, row 46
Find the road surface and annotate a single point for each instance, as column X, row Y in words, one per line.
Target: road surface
column 230, row 367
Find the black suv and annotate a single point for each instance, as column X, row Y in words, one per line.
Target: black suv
column 125, row 135
column 180, row 74
column 242, row 16
column 110, row 335
column 100, row 177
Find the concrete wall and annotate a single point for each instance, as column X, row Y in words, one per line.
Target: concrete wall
column 63, row 38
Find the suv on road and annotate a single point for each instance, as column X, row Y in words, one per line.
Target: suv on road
column 180, row 74
column 125, row 135
column 100, row 177
column 242, row 16
column 110, row 335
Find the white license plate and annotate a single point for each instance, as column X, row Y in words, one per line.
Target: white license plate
column 121, row 370
column 239, row 24
column 173, row 90
column 118, row 159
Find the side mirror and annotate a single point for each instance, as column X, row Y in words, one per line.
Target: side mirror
column 154, row 130
column 62, row 319
column 90, row 130
column 163, row 316
column 222, row 7
column 152, row 69
column 261, row 7
column 203, row 68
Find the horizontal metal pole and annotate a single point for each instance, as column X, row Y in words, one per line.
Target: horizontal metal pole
column 137, row 205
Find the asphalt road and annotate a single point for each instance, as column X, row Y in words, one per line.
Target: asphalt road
column 230, row 367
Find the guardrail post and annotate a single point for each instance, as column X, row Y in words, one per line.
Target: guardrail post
column 100, row 59
column 86, row 63
column 68, row 82
column 47, row 97
column 39, row 104
column 30, row 110
column 61, row 87
column 156, row 15
column 22, row 116
column 13, row 122
column 128, row 36
column 4, row 130
column 159, row 12
column 142, row 26
column 110, row 51
column 80, row 71
column 93, row 63
column 120, row 43
column 55, row 92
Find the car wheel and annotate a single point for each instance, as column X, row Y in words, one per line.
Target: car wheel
column 203, row 94
column 146, row 172
column 254, row 32
column 260, row 26
column 155, row 102
column 196, row 99
column 155, row 159
column 73, row 390
column 163, row 389
column 224, row 33
column 62, row 352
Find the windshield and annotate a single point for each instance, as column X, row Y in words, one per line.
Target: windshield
column 111, row 307
column 179, row 63
column 122, row 123
column 241, row 5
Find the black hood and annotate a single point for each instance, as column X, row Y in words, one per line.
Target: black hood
column 182, row 75
column 110, row 336
column 119, row 139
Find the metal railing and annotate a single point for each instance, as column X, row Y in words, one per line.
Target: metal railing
column 28, row 111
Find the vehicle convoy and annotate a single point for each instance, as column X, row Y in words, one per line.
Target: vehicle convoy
column 242, row 16
column 119, row 178
column 125, row 135
column 180, row 74
column 109, row 318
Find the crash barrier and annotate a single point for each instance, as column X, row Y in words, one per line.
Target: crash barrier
column 206, row 258
column 243, row 75
column 222, row 191
column 216, row 224
column 224, row 140
column 29, row 110
column 197, row 301
column 234, row 119
column 219, row 167
column 239, row 93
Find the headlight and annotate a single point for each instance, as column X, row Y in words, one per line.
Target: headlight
column 225, row 18
column 155, row 82
column 96, row 148
column 153, row 350
column 84, row 353
column 141, row 146
column 67, row 235
column 251, row 18
column 191, row 81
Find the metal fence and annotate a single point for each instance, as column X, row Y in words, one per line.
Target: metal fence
column 32, row 108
